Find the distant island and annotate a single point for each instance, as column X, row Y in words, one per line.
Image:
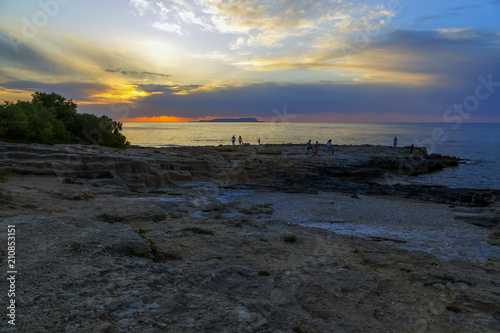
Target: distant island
column 230, row 120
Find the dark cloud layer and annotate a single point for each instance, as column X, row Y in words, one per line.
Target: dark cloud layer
column 260, row 100
column 453, row 11
column 126, row 72
column 456, row 56
column 70, row 90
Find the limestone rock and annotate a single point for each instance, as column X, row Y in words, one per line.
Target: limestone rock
column 494, row 238
column 139, row 176
column 83, row 268
column 5, row 197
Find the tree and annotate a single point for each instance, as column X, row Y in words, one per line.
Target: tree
column 63, row 109
column 27, row 122
column 100, row 130
column 51, row 118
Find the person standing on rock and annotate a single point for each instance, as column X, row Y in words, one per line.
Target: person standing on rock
column 309, row 147
column 395, row 142
column 259, row 142
column 241, row 140
column 329, row 148
column 234, row 139
column 316, row 149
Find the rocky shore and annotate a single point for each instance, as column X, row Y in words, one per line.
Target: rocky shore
column 244, row 239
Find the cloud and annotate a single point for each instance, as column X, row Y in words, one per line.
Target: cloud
column 457, row 33
column 315, row 101
column 263, row 23
column 400, row 56
column 367, row 67
column 456, row 10
column 157, row 74
column 406, row 75
column 141, row 7
column 168, row 27
column 74, row 65
column 71, row 90
column 475, row 5
column 126, row 72
column 54, row 55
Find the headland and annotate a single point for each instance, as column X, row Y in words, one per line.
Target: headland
column 246, row 239
column 230, row 120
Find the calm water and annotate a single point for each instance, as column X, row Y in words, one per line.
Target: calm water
column 479, row 144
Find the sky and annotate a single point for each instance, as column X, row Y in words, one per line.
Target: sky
column 285, row 60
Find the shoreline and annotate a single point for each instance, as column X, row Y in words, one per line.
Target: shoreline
column 211, row 239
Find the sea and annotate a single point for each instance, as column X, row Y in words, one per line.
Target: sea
column 477, row 145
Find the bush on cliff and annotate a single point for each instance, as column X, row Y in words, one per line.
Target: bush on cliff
column 27, row 122
column 51, row 118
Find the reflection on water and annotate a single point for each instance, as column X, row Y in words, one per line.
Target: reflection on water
column 200, row 134
column 479, row 143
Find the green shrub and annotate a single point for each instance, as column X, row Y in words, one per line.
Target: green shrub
column 50, row 119
column 26, row 122
column 100, row 131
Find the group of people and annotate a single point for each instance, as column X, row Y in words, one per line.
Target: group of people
column 233, row 139
column 315, row 149
column 239, row 139
column 395, row 144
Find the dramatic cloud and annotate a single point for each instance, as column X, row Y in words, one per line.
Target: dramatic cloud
column 273, row 24
column 406, row 73
column 66, row 63
column 325, row 60
column 71, row 90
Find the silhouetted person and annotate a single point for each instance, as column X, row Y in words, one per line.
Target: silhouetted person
column 309, row 147
column 395, row 142
column 329, row 147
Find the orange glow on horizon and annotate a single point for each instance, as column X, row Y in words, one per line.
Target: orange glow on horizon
column 156, row 119
column 166, row 119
